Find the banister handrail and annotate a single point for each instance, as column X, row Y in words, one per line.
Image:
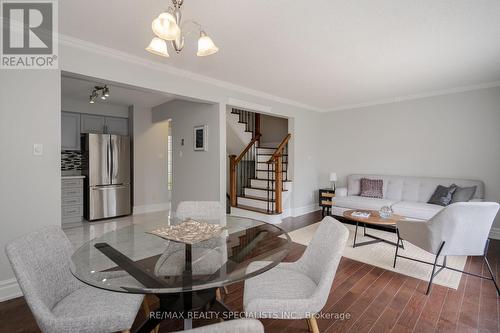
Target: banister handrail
column 247, row 148
column 280, row 148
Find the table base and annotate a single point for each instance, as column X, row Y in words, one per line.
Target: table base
column 375, row 239
column 179, row 305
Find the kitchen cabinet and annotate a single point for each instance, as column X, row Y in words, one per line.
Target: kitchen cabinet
column 99, row 124
column 115, row 125
column 72, row 199
column 92, row 123
column 70, row 131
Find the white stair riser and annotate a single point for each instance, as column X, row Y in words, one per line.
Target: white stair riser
column 263, row 166
column 263, row 184
column 266, row 150
column 254, row 203
column 264, row 174
column 259, row 193
column 263, row 158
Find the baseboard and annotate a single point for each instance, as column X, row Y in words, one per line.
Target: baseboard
column 495, row 233
column 151, row 208
column 304, row 210
column 9, row 289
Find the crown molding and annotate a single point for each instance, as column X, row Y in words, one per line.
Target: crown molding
column 100, row 49
column 419, row 96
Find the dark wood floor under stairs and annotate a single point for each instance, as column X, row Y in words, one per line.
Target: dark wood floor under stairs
column 375, row 299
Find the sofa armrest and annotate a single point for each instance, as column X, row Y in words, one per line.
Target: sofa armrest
column 341, row 192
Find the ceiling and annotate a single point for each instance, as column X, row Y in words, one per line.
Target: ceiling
column 328, row 54
column 80, row 89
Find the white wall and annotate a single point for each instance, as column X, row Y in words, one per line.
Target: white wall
column 195, row 173
column 103, row 109
column 273, row 129
column 456, row 135
column 30, row 186
column 149, row 143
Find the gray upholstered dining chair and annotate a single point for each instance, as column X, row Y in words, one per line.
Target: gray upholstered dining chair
column 460, row 229
column 301, row 288
column 58, row 301
column 233, row 326
column 204, row 210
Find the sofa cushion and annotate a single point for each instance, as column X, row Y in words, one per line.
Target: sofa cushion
column 416, row 210
column 463, row 194
column 358, row 202
column 371, row 188
column 442, row 195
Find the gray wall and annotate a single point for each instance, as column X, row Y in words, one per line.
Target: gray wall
column 196, row 174
column 30, row 190
column 150, row 161
column 273, row 129
column 456, row 135
column 104, row 109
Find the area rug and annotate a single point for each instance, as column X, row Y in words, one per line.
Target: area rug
column 382, row 255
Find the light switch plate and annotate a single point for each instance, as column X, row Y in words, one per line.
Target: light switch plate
column 38, row 149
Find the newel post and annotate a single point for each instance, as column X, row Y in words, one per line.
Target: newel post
column 232, row 180
column 278, row 181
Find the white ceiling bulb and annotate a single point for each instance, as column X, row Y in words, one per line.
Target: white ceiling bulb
column 165, row 26
column 206, row 45
column 158, row 46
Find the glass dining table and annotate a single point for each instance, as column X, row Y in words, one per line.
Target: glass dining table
column 185, row 277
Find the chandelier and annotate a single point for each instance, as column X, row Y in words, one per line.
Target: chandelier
column 168, row 27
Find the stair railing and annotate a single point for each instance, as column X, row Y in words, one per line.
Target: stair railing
column 277, row 170
column 242, row 170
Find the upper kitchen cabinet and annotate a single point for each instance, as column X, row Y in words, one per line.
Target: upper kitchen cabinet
column 92, row 124
column 115, row 125
column 100, row 124
column 70, row 131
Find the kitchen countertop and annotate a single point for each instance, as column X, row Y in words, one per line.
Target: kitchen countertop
column 72, row 177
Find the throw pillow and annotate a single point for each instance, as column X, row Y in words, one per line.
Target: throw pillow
column 463, row 194
column 371, row 188
column 442, row 195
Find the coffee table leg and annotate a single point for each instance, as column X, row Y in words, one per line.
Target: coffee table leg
column 355, row 234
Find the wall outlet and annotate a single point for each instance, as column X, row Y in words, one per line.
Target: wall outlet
column 38, row 149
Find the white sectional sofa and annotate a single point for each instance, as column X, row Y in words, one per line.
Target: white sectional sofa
column 406, row 195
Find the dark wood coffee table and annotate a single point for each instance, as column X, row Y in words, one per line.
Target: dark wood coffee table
column 373, row 219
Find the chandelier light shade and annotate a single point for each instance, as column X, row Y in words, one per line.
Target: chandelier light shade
column 158, row 46
column 167, row 27
column 206, row 45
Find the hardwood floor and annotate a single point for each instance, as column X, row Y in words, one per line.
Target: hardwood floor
column 375, row 300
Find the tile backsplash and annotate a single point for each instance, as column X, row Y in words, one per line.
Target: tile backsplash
column 71, row 160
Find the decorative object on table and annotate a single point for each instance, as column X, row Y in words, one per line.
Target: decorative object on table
column 371, row 188
column 333, row 179
column 442, row 195
column 361, row 214
column 168, row 27
column 188, row 232
column 200, row 138
column 385, row 212
column 326, row 196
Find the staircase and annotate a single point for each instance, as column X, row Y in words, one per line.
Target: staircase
column 259, row 179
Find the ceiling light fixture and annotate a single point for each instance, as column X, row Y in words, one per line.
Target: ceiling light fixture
column 98, row 90
column 167, row 27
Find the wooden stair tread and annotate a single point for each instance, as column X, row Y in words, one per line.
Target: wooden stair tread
column 255, row 198
column 270, row 170
column 257, row 210
column 264, row 189
column 269, row 154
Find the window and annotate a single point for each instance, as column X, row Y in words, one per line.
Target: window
column 169, row 161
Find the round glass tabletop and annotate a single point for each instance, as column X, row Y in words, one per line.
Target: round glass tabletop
column 132, row 260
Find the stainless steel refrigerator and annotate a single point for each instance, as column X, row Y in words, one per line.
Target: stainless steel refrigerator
column 106, row 165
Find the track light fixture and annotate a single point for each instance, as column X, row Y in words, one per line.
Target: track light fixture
column 99, row 91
